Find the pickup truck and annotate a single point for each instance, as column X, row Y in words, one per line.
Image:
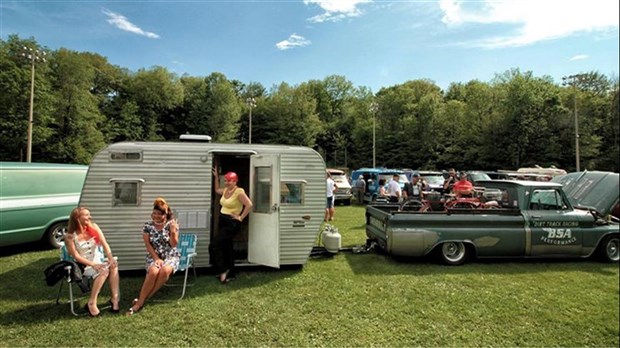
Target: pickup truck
column 531, row 219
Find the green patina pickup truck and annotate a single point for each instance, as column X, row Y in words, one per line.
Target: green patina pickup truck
column 530, row 219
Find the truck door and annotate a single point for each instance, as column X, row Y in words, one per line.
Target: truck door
column 554, row 228
column 264, row 224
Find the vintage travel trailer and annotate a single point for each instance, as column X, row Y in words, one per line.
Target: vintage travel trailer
column 285, row 183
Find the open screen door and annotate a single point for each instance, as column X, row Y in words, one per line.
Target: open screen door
column 264, row 227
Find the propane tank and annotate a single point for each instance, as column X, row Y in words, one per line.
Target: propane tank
column 331, row 239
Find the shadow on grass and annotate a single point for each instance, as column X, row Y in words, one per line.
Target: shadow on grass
column 24, row 288
column 23, row 248
column 378, row 263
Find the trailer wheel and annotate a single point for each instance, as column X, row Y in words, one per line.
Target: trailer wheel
column 609, row 249
column 453, row 253
column 54, row 236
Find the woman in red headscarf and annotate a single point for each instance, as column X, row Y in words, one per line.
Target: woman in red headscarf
column 235, row 206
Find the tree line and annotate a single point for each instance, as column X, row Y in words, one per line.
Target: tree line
column 82, row 102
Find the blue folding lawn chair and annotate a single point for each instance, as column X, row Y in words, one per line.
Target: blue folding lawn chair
column 187, row 249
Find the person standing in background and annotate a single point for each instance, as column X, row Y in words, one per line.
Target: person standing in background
column 330, row 211
column 360, row 189
column 394, row 191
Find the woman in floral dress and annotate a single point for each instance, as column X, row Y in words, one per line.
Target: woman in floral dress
column 161, row 236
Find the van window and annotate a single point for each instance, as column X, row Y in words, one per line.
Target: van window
column 126, row 156
column 262, row 190
column 292, row 193
column 126, row 192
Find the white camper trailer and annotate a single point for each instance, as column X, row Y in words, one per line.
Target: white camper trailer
column 285, row 183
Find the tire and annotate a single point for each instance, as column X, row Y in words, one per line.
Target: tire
column 54, row 236
column 453, row 253
column 609, row 249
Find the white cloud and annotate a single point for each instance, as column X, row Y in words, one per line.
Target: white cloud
column 336, row 10
column 579, row 57
column 123, row 23
column 536, row 20
column 293, row 41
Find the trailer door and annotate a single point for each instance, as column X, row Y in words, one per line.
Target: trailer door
column 264, row 224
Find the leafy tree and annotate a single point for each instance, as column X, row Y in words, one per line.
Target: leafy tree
column 77, row 120
column 215, row 110
column 530, row 107
column 287, row 116
column 15, row 84
column 157, row 92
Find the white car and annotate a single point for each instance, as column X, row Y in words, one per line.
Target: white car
column 343, row 193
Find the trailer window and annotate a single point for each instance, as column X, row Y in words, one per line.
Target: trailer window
column 262, row 190
column 292, row 193
column 126, row 193
column 125, row 156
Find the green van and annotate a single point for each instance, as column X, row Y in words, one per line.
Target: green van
column 36, row 200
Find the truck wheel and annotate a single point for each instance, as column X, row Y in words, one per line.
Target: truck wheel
column 453, row 253
column 610, row 251
column 54, row 236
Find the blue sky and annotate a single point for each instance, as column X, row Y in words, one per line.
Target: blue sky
column 372, row 43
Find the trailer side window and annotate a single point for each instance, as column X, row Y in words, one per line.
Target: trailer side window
column 292, row 193
column 126, row 192
column 125, row 156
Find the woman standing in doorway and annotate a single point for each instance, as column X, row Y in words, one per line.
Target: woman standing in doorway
column 235, row 206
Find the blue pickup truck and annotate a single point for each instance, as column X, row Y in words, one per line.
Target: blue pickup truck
column 372, row 176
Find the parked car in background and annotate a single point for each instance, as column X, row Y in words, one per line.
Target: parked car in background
column 550, row 171
column 475, row 176
column 343, row 193
column 36, row 201
column 433, row 179
column 498, row 176
column 373, row 176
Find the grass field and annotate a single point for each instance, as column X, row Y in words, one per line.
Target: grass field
column 346, row 300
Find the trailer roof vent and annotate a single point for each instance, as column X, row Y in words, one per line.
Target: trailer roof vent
column 195, row 138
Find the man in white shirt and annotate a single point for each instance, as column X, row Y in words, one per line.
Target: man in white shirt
column 394, row 191
column 329, row 208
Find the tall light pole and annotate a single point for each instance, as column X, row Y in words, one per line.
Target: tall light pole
column 572, row 81
column 252, row 104
column 33, row 56
column 374, row 108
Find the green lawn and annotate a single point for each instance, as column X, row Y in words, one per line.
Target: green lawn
column 346, row 300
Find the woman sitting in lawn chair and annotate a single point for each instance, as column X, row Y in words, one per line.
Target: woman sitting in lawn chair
column 161, row 236
column 87, row 245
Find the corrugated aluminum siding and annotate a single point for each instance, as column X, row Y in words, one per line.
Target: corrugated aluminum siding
column 296, row 242
column 181, row 173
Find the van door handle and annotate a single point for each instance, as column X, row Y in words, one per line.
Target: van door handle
column 274, row 208
column 536, row 217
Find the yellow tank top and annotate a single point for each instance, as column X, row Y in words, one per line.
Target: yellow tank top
column 231, row 205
